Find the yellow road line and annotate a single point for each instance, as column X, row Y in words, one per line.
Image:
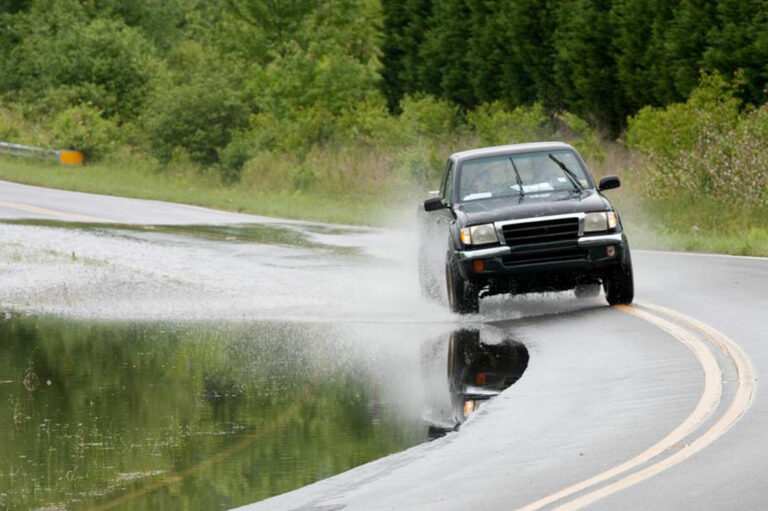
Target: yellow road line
column 708, row 402
column 72, row 217
column 741, row 402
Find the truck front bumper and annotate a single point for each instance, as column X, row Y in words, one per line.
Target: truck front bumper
column 601, row 240
column 544, row 266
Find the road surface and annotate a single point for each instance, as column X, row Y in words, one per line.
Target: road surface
column 654, row 406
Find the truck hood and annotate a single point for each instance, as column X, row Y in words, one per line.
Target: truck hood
column 529, row 206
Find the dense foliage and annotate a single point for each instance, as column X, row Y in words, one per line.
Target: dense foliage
column 708, row 146
column 184, row 79
column 601, row 59
column 347, row 94
column 234, row 416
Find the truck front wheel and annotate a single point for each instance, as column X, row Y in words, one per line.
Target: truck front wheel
column 463, row 296
column 619, row 284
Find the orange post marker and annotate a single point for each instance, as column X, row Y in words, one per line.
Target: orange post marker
column 67, row 157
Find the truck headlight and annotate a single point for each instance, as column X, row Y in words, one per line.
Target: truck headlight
column 479, row 235
column 603, row 221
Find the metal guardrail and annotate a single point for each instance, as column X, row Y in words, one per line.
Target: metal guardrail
column 63, row 156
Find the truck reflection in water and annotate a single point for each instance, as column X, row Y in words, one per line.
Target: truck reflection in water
column 478, row 370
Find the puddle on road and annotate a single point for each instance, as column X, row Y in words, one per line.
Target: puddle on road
column 272, row 234
column 155, row 367
column 114, row 415
column 146, row 274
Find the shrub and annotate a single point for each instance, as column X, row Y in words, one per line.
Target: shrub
column 369, row 122
column 199, row 117
column 735, row 166
column 294, row 134
column 427, row 116
column 497, row 125
column 233, row 157
column 313, row 78
column 419, row 164
column 84, row 129
column 10, row 123
column 582, row 136
column 102, row 62
column 705, row 147
column 304, row 178
column 711, row 110
column 267, row 171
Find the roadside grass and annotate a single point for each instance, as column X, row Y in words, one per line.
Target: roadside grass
column 145, row 181
column 684, row 223
column 690, row 224
column 705, row 225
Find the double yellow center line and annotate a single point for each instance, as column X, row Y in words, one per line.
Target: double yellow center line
column 665, row 454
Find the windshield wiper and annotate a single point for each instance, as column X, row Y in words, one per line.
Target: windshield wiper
column 568, row 172
column 517, row 176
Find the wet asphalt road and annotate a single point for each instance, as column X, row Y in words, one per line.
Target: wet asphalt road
column 602, row 385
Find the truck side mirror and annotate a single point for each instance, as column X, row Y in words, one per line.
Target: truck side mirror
column 609, row 182
column 434, row 203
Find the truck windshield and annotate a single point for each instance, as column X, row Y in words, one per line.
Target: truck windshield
column 519, row 174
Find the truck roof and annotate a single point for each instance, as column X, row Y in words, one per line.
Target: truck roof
column 502, row 150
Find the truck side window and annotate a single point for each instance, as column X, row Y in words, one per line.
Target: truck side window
column 448, row 184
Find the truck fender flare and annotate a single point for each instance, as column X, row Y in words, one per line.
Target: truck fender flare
column 455, row 240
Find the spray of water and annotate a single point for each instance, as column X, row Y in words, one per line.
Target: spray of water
column 150, row 274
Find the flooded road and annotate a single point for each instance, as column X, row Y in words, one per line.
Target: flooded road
column 161, row 356
column 115, row 415
column 93, row 411
column 207, row 272
column 210, row 366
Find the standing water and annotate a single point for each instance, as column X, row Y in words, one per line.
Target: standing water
column 151, row 367
column 162, row 416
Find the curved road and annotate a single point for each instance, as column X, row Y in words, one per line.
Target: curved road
column 654, row 406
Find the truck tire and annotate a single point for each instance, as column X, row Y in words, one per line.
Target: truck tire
column 619, row 284
column 463, row 296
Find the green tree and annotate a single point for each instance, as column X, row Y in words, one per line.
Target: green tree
column 260, row 30
column 487, row 50
column 529, row 52
column 331, row 65
column 584, row 67
column 444, row 67
column 405, row 24
column 12, row 6
column 162, row 22
column 59, row 53
column 684, row 44
column 739, row 41
column 642, row 64
column 679, row 138
column 200, row 118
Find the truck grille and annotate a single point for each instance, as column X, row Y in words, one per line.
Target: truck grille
column 547, row 255
column 542, row 231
